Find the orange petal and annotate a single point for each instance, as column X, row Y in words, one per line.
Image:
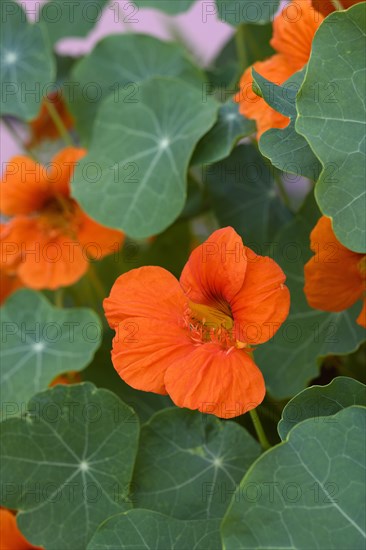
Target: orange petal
column 10, row 536
column 215, row 270
column 333, row 281
column 9, row 283
column 61, row 169
column 9, row 248
column 150, row 292
column 263, row 302
column 277, row 69
column 46, row 261
column 70, row 377
column 215, row 382
column 144, row 348
column 293, row 31
column 24, row 187
column 98, row 241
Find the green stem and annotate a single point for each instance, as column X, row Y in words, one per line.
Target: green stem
column 240, row 47
column 276, row 176
column 58, row 122
column 96, row 282
column 19, row 140
column 259, row 430
column 282, row 190
column 59, row 295
column 195, row 178
column 337, row 4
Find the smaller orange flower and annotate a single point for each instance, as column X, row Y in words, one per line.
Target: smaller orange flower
column 49, row 239
column 192, row 339
column 43, row 127
column 335, row 278
column 293, row 32
column 10, row 536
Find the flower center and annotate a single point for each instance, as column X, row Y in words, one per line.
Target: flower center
column 58, row 216
column 210, row 325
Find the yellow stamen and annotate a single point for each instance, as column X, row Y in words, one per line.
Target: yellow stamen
column 211, row 316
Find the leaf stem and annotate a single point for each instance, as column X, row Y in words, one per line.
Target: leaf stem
column 65, row 134
column 259, row 430
column 59, row 295
column 18, row 139
column 96, row 282
column 240, row 47
column 337, row 4
column 276, row 176
column 282, row 189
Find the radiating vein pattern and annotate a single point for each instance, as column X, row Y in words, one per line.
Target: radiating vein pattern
column 69, row 455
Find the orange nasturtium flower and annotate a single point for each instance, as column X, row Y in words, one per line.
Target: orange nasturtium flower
column 192, row 338
column 43, row 127
column 293, row 32
column 49, row 239
column 335, row 278
column 10, row 536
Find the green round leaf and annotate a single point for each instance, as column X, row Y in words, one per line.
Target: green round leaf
column 218, row 143
column 188, row 464
column 331, row 117
column 101, row 73
column 137, row 529
column 70, row 18
column 27, row 65
column 236, row 12
column 134, row 177
column 307, row 492
column 321, row 401
column 290, row 359
column 287, row 150
column 245, row 195
column 67, row 464
column 39, row 342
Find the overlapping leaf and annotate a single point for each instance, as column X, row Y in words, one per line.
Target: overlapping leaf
column 331, row 107
column 134, row 177
column 115, row 67
column 223, row 136
column 307, row 492
column 26, row 63
column 67, row 464
column 188, row 464
column 146, row 529
column 290, row 359
column 321, row 402
column 245, row 195
column 39, row 342
column 287, row 150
